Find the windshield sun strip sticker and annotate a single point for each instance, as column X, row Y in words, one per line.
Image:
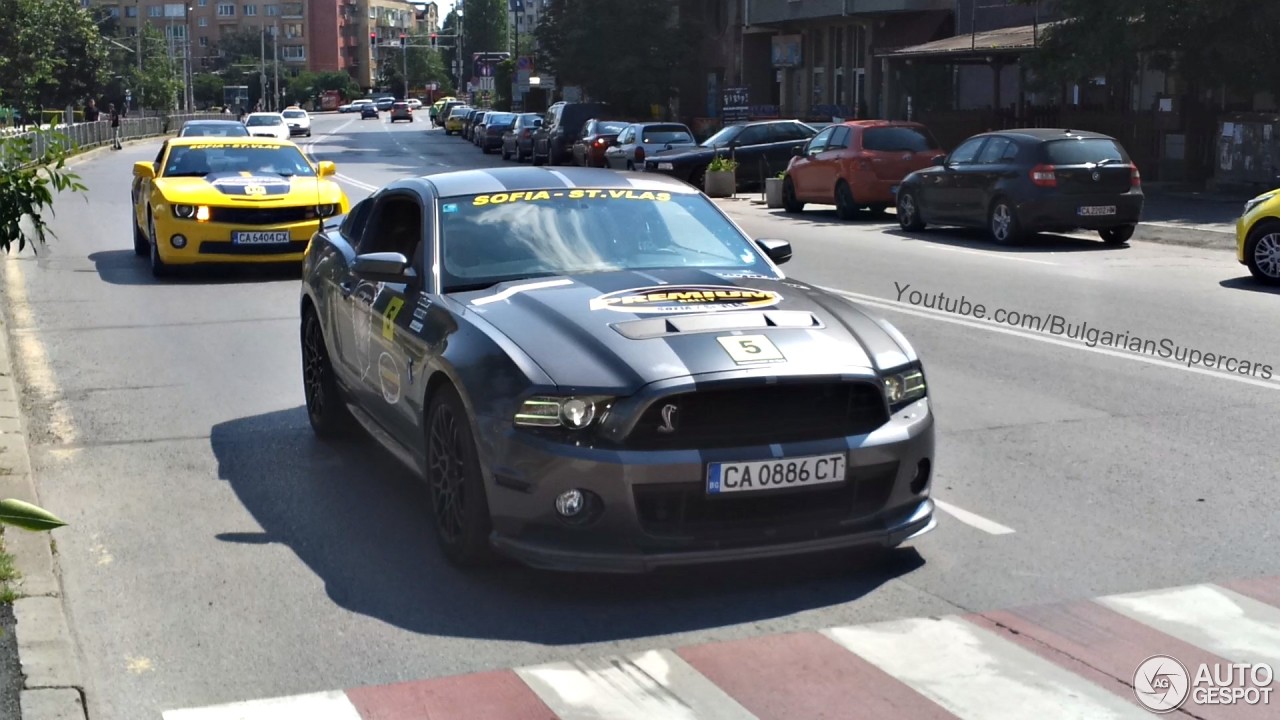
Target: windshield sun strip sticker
column 505, row 294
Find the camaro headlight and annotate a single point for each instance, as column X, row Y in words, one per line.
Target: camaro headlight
column 184, row 211
column 327, row 210
column 1251, row 204
column 904, row 387
column 574, row 412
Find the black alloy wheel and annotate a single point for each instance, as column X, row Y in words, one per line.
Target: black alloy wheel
column 909, row 211
column 789, row 201
column 328, row 413
column 458, row 501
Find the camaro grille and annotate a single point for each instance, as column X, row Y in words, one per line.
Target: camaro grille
column 222, row 247
column 679, row 510
column 263, row 216
column 760, row 415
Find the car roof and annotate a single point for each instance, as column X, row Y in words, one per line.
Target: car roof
column 881, row 123
column 211, row 122
column 1050, row 134
column 263, row 113
column 511, row 179
column 179, row 142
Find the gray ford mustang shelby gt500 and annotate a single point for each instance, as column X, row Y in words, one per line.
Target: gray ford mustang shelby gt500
column 599, row 371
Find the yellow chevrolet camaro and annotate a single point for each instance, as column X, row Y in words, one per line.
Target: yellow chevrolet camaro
column 1258, row 237
column 230, row 200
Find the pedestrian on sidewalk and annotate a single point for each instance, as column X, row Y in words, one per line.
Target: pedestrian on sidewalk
column 91, row 111
column 115, row 127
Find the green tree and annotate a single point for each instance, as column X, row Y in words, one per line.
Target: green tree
column 53, row 53
column 32, row 169
column 484, row 29
column 206, row 88
column 158, row 83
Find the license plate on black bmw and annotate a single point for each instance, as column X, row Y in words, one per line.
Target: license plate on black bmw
column 1095, row 210
column 761, row 475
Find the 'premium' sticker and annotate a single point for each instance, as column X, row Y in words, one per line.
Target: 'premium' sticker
column 672, row 299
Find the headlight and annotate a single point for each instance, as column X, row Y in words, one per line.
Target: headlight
column 1250, row 205
column 904, row 388
column 327, row 210
column 575, row 413
column 184, row 211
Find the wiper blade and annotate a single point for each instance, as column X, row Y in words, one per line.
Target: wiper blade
column 1106, row 161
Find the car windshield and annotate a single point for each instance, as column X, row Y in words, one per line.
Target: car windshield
column 263, row 120
column 723, row 137
column 487, row 239
column 220, row 130
column 662, row 134
column 201, row 160
column 294, row 114
column 1079, row 152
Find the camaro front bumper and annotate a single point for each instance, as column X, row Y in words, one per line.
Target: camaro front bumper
column 651, row 509
column 212, row 242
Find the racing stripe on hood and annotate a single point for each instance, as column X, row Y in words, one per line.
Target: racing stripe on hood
column 466, row 182
column 514, row 179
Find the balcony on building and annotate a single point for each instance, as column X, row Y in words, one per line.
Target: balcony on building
column 769, row 12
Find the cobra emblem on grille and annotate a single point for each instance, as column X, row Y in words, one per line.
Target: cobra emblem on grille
column 670, row 413
column 255, row 190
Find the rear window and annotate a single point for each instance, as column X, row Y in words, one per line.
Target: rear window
column 611, row 127
column 1079, row 152
column 898, row 139
column 663, row 134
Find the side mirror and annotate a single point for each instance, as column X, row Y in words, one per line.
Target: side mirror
column 798, row 151
column 326, row 168
column 779, row 251
column 389, row 267
column 940, row 161
column 734, row 145
column 144, row 169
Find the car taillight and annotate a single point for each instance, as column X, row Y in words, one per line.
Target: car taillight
column 1135, row 177
column 525, row 133
column 1044, row 176
column 639, row 154
column 599, row 142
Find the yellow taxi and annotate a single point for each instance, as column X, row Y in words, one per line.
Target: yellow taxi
column 453, row 124
column 230, row 200
column 436, row 106
column 1258, row 237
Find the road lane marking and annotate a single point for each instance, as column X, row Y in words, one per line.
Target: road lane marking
column 316, row 706
column 654, row 684
column 962, row 667
column 1225, row 623
column 992, row 326
column 33, row 356
column 997, row 256
column 973, row 520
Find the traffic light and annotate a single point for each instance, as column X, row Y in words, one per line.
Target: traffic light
column 401, row 39
column 373, row 39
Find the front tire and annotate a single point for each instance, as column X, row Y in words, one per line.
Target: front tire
column 1117, row 235
column 158, row 267
column 458, row 501
column 909, row 217
column 789, row 201
column 1262, row 252
column 326, row 409
column 140, row 245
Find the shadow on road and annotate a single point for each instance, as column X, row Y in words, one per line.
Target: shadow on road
column 360, row 522
column 973, row 239
column 1248, row 282
column 123, row 267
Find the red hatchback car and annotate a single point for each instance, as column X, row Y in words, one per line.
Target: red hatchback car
column 857, row 164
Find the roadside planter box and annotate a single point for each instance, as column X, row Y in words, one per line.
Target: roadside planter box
column 721, row 179
column 773, row 192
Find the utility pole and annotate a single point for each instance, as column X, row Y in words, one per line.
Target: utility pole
column 137, row 4
column 275, row 50
column 262, row 85
column 188, row 72
column 404, row 59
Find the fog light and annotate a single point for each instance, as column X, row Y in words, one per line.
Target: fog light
column 920, row 482
column 178, row 241
column 570, row 502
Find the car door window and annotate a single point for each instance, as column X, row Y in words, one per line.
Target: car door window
column 994, row 151
column 840, row 138
column 965, row 154
column 1011, row 152
column 820, row 141
column 395, row 226
column 755, row 135
column 357, row 219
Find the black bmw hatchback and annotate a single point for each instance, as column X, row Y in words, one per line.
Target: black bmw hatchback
column 1019, row 182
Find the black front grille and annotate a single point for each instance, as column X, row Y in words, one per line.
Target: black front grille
column 761, row 415
column 684, row 510
column 229, row 248
column 263, row 216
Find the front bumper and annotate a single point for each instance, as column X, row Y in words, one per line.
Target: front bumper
column 1061, row 212
column 298, row 130
column 212, row 242
column 651, row 511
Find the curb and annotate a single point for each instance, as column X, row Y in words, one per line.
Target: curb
column 52, row 685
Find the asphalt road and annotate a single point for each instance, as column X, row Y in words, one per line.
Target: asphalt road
column 217, row 552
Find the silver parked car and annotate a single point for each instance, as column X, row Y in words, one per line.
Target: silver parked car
column 639, row 140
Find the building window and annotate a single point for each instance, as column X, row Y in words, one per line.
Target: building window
column 293, row 53
column 291, row 9
column 204, row 41
column 203, row 22
column 250, row 10
column 131, row 12
column 271, row 10
column 177, row 32
column 293, row 30
column 226, row 10
column 204, row 3
column 155, row 11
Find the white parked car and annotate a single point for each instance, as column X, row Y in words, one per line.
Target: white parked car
column 267, row 124
column 415, row 104
column 298, row 120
